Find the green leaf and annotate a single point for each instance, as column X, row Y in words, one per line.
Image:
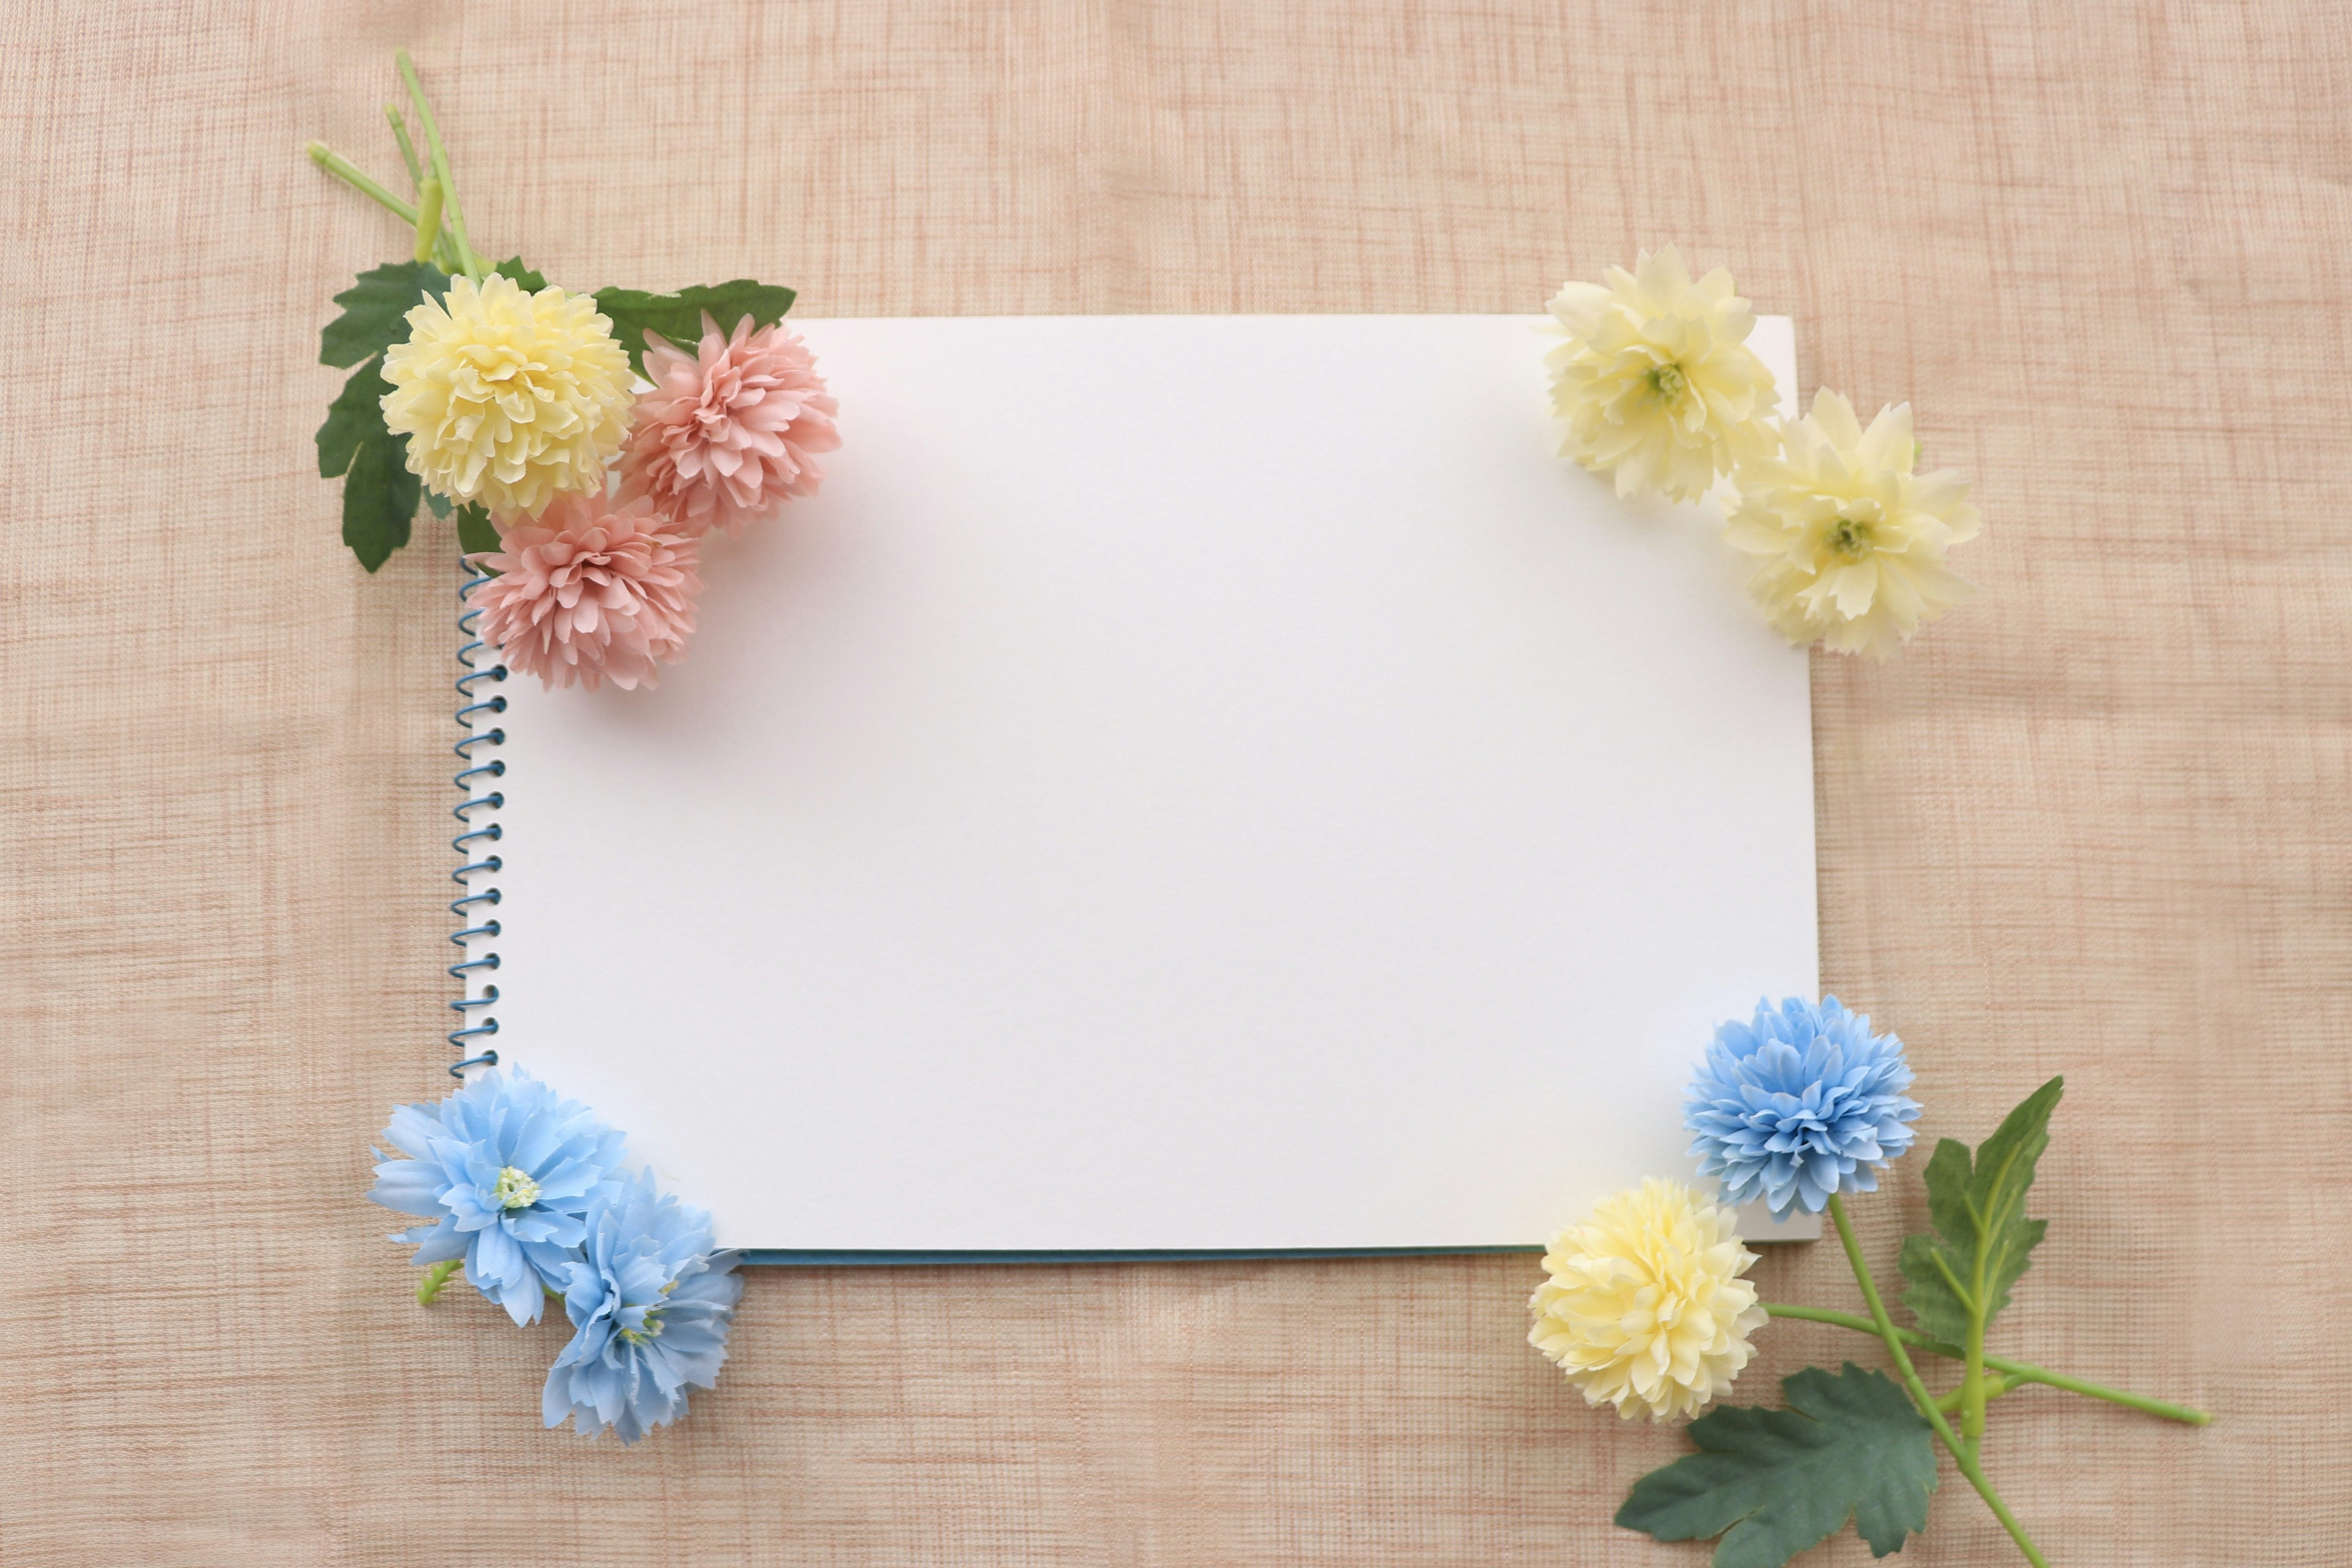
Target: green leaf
column 1774, row 1482
column 475, row 534
column 354, row 416
column 379, row 501
column 679, row 317
column 436, row 503
column 530, row 282
column 376, row 310
column 1962, row 1274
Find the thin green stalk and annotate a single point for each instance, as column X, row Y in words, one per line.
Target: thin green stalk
column 428, row 218
column 2022, row 1371
column 443, row 253
column 1995, row 1387
column 471, row 263
column 327, row 158
column 407, row 148
column 1972, row 1380
column 1962, row 1456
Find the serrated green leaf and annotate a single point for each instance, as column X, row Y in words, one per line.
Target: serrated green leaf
column 1775, row 1482
column 379, row 501
column 1963, row 1273
column 436, row 503
column 475, row 532
column 529, row 281
column 679, row 317
column 376, row 310
column 354, row 416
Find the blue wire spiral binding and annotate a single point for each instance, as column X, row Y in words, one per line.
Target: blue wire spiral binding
column 471, row 1026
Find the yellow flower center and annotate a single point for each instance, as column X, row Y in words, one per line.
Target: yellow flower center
column 1667, row 381
column 1849, row 538
column 515, row 1190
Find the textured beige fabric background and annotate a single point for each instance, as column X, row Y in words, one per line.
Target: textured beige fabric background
column 2094, row 822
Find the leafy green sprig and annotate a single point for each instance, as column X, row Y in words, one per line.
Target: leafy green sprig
column 380, row 494
column 1856, row 1446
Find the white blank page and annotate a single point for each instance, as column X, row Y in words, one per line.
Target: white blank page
column 1186, row 784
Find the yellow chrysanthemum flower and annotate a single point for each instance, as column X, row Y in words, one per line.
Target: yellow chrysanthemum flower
column 508, row 398
column 1645, row 1308
column 1850, row 541
column 1656, row 377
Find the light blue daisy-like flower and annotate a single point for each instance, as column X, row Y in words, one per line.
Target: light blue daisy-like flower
column 1801, row 1103
column 651, row 1304
column 506, row 1171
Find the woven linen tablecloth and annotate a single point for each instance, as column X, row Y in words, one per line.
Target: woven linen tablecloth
column 2094, row 822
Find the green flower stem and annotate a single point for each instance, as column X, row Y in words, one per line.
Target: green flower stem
column 1994, row 1388
column 464, row 248
column 327, row 158
column 1962, row 1454
column 1972, row 1380
column 428, row 218
column 2022, row 1371
column 434, row 1277
column 407, row 148
column 443, row 255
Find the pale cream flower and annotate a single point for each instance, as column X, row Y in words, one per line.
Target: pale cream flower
column 1850, row 542
column 1656, row 378
column 508, row 398
column 1645, row 1308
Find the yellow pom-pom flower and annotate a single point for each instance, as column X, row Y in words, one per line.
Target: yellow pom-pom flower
column 508, row 398
column 1656, row 378
column 1850, row 542
column 1645, row 1308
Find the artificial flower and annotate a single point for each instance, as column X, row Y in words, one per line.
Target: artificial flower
column 507, row 1171
column 1801, row 1103
column 1656, row 378
column 1644, row 1307
column 1850, row 542
column 650, row 1305
column 508, row 398
column 727, row 433
column 591, row 591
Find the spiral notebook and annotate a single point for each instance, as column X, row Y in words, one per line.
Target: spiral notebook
column 1187, row 786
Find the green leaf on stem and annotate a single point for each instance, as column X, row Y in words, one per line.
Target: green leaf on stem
column 1962, row 1274
column 380, row 494
column 475, row 532
column 352, row 418
column 679, row 317
column 380, row 498
column 1774, row 1482
column 376, row 310
column 528, row 280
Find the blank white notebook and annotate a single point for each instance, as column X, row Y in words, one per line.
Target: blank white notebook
column 1186, row 784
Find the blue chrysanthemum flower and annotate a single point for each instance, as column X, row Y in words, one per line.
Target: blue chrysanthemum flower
column 651, row 1304
column 1802, row 1102
column 506, row 1171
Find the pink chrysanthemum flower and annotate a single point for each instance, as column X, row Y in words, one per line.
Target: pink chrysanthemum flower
column 591, row 591
column 729, row 433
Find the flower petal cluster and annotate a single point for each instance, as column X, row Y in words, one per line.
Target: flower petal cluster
column 1656, row 378
column 1849, row 542
column 591, row 592
column 728, row 433
column 508, row 398
column 1645, row 1308
column 650, row 1305
column 1800, row 1103
column 507, row 1173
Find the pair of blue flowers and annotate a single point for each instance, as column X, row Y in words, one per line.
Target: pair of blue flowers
column 529, row 1190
